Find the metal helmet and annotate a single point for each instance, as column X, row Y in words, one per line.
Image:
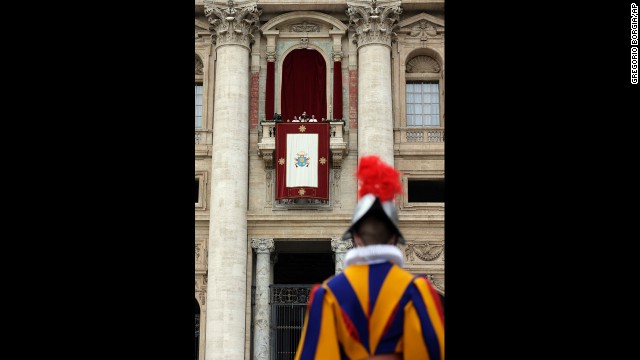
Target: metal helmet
column 368, row 204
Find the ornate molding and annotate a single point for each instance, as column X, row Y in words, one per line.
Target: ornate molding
column 201, row 255
column 264, row 246
column 337, row 155
column 337, row 172
column 267, row 156
column 304, row 27
column 233, row 24
column 337, row 56
column 304, row 43
column 423, row 64
column 271, row 56
column 425, row 252
column 198, row 252
column 201, row 291
column 199, row 66
column 373, row 24
column 338, row 245
column 424, row 30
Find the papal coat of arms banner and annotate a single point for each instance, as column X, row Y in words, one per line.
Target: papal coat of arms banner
column 302, row 161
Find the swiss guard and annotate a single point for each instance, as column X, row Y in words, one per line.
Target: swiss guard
column 374, row 309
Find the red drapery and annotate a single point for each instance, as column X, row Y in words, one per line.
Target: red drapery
column 318, row 157
column 304, row 85
column 269, row 91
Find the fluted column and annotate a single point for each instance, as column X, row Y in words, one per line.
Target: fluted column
column 261, row 320
column 373, row 26
column 226, row 301
column 340, row 248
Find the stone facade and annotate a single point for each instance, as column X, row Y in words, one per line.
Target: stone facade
column 239, row 226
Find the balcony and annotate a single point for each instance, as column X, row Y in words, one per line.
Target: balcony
column 419, row 141
column 337, row 142
column 203, row 141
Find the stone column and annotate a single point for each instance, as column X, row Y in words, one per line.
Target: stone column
column 340, row 248
column 261, row 319
column 373, row 26
column 227, row 261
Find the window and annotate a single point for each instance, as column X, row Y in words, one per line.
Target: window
column 200, row 193
column 423, row 104
column 426, row 190
column 198, row 106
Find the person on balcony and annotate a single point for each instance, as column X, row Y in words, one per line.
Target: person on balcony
column 374, row 309
column 295, row 119
column 303, row 117
column 313, row 119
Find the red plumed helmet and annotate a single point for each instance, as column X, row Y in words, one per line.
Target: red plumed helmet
column 377, row 178
column 378, row 184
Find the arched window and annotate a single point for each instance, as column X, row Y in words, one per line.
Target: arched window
column 304, row 83
column 422, row 92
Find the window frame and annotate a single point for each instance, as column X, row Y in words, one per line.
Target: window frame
column 201, row 176
column 417, row 176
column 201, row 84
column 406, row 102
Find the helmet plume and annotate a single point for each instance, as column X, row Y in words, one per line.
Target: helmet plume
column 378, row 178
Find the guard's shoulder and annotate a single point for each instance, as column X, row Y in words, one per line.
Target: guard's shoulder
column 434, row 290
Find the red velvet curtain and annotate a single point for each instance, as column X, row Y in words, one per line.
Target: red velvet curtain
column 304, row 84
column 268, row 112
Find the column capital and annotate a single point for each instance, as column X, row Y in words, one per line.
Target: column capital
column 232, row 24
column 263, row 245
column 373, row 24
column 340, row 246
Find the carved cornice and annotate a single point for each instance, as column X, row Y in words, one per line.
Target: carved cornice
column 233, row 24
column 263, row 246
column 373, row 24
column 338, row 245
column 424, row 252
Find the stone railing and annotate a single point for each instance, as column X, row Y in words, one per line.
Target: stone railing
column 337, row 142
column 421, row 135
column 203, row 137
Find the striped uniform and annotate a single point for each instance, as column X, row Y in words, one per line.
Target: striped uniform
column 371, row 309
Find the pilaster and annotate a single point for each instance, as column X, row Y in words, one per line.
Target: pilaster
column 263, row 248
column 340, row 248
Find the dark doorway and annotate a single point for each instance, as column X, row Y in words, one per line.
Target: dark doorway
column 300, row 264
column 303, row 262
column 303, row 268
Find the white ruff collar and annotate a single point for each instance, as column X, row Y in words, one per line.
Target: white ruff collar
column 374, row 254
